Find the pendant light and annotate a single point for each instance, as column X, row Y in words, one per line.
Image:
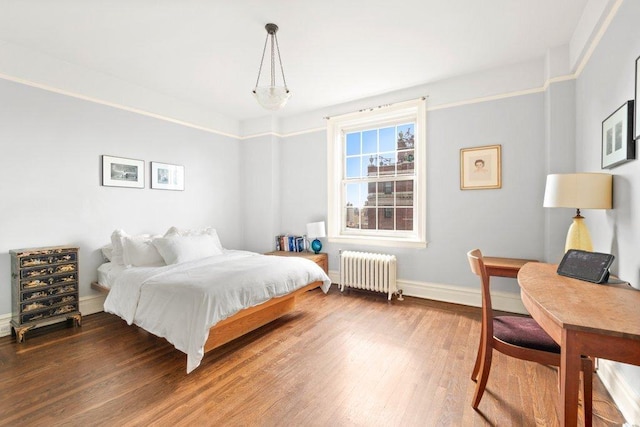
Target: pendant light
column 272, row 97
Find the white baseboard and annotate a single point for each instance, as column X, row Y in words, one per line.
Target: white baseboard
column 626, row 399
column 503, row 301
column 88, row 305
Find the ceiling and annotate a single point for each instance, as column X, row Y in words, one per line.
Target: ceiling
column 207, row 53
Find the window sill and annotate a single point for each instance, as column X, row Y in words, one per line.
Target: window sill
column 378, row 241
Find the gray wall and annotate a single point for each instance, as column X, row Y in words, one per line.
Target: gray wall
column 50, row 148
column 504, row 222
column 605, row 84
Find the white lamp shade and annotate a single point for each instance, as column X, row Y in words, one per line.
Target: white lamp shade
column 579, row 191
column 315, row 230
column 272, row 97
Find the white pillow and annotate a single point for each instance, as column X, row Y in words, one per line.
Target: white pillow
column 175, row 231
column 179, row 249
column 116, row 242
column 139, row 251
column 107, row 251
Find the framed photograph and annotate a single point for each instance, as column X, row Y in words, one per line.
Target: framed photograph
column 636, row 122
column 481, row 167
column 121, row 172
column 167, row 177
column 618, row 145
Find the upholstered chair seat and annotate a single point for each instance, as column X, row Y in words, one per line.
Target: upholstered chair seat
column 523, row 332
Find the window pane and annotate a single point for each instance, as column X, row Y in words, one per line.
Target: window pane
column 353, row 143
column 368, row 219
column 356, row 195
column 370, row 141
column 371, row 194
column 388, row 164
column 386, row 193
column 366, row 166
column 406, row 165
column 404, row 193
column 352, row 217
column 404, row 219
column 406, row 136
column 388, row 139
column 371, row 166
column 386, row 219
column 353, row 167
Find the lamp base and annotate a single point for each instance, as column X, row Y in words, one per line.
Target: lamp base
column 578, row 236
column 316, row 245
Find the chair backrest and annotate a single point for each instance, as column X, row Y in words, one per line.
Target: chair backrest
column 476, row 262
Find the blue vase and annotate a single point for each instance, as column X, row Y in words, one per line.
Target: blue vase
column 316, row 245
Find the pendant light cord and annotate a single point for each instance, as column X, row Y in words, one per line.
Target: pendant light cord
column 264, row 50
column 284, row 81
column 274, row 41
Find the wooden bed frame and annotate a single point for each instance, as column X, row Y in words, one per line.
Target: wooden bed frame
column 245, row 320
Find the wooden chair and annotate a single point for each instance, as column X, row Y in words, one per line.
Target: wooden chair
column 516, row 336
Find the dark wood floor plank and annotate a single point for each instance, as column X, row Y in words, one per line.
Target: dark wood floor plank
column 339, row 359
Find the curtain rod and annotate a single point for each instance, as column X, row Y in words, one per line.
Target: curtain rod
column 422, row 98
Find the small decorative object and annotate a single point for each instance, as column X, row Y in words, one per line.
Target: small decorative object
column 167, row 177
column 272, row 97
column 481, row 167
column 618, row 145
column 637, row 112
column 314, row 231
column 121, row 172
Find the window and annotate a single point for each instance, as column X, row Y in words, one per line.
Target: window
column 376, row 172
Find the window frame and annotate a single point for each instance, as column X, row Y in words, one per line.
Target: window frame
column 337, row 128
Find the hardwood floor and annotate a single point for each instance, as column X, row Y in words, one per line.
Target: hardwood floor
column 340, row 359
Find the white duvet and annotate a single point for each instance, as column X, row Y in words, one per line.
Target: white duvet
column 181, row 302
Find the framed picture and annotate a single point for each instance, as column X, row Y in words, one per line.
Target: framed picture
column 121, row 172
column 636, row 133
column 481, row 167
column 618, row 145
column 167, row 177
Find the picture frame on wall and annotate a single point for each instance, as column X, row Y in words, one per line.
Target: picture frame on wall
column 165, row 176
column 122, row 172
column 618, row 144
column 636, row 132
column 481, row 167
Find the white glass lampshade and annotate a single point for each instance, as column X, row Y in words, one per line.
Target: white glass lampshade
column 272, row 97
column 316, row 229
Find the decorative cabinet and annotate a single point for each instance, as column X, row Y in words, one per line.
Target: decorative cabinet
column 44, row 287
column 321, row 259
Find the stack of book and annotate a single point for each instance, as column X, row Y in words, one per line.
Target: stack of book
column 288, row 243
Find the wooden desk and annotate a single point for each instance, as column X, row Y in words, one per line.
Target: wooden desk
column 585, row 319
column 504, row 267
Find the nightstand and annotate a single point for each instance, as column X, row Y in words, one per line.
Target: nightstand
column 321, row 259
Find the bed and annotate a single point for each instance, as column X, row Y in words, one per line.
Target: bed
column 202, row 302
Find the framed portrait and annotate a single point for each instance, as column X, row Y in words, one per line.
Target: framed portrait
column 481, row 167
column 167, row 177
column 122, row 172
column 636, row 134
column 618, row 145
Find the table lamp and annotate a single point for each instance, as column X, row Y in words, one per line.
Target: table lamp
column 315, row 230
column 578, row 191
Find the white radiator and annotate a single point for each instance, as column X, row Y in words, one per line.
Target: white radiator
column 374, row 272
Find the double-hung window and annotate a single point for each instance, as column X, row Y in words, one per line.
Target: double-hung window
column 376, row 171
